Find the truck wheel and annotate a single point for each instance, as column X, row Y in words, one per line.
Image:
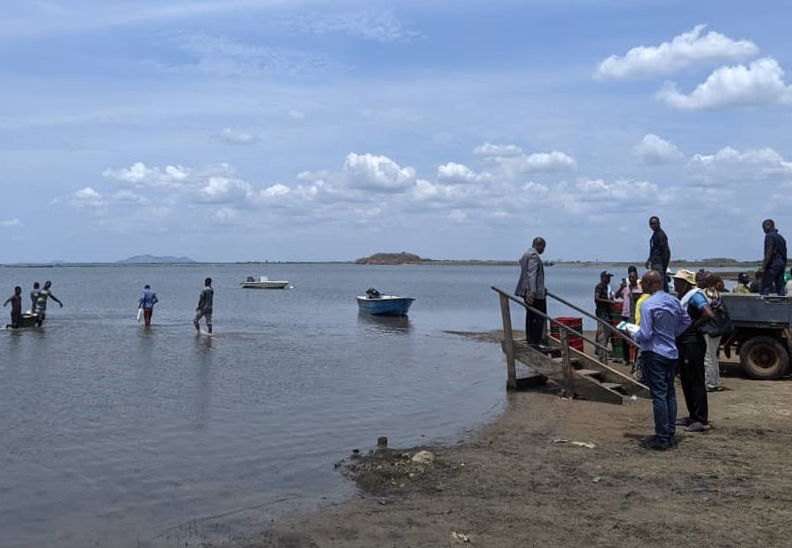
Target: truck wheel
column 764, row 358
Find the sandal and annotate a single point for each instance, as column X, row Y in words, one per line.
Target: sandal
column 698, row 427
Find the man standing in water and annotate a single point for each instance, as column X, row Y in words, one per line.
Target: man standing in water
column 204, row 309
column 16, row 307
column 659, row 251
column 41, row 303
column 34, row 297
column 147, row 301
column 532, row 289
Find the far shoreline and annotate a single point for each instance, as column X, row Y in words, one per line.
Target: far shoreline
column 737, row 265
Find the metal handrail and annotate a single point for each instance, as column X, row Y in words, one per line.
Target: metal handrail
column 546, row 317
column 598, row 320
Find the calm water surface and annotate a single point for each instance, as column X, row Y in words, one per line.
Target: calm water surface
column 116, row 436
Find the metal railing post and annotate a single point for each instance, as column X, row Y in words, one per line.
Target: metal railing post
column 566, row 365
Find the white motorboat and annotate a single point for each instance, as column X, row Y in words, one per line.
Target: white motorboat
column 264, row 283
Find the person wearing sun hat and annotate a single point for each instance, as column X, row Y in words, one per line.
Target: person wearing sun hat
column 692, row 349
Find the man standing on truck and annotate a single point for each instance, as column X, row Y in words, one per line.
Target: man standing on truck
column 775, row 260
column 659, row 251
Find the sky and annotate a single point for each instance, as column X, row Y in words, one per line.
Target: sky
column 307, row 130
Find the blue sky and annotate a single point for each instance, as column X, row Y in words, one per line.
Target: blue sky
column 309, row 130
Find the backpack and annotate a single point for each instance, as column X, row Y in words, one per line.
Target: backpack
column 721, row 324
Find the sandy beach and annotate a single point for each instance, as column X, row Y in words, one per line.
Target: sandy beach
column 522, row 481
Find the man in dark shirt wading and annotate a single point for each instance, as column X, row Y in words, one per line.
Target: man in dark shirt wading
column 775, row 260
column 16, row 307
column 659, row 251
column 204, row 309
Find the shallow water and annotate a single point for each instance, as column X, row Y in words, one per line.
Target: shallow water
column 114, row 435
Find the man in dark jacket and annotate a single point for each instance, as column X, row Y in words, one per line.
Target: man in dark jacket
column 775, row 260
column 532, row 289
column 659, row 251
column 692, row 349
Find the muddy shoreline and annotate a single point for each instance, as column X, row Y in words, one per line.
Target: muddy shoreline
column 521, row 481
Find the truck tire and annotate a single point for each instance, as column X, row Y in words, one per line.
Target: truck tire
column 764, row 358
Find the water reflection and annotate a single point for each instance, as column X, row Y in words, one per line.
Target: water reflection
column 204, row 350
column 399, row 325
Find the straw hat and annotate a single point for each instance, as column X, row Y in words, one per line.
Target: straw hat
column 686, row 275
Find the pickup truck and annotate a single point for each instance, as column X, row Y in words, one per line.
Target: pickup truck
column 762, row 333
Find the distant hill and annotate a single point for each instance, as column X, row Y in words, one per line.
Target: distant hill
column 392, row 258
column 151, row 259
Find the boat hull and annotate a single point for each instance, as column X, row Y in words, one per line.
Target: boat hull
column 386, row 306
column 265, row 285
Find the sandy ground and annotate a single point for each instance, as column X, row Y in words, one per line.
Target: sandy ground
column 515, row 484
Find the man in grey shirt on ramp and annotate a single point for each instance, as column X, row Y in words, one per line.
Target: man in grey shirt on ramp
column 531, row 288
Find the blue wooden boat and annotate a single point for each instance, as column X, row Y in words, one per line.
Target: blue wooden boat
column 390, row 305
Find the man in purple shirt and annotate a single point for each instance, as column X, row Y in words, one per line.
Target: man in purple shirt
column 662, row 320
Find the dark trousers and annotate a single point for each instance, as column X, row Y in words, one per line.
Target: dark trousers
column 535, row 324
column 16, row 318
column 658, row 374
column 773, row 281
column 147, row 316
column 692, row 375
column 663, row 274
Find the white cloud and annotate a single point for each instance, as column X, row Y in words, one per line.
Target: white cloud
column 225, row 215
column 11, row 223
column 653, row 150
column 224, row 57
column 540, row 162
column 683, row 51
column 459, row 173
column 595, row 196
column 760, row 84
column 536, row 189
column 377, row 173
column 234, row 137
column 170, row 177
column 220, row 190
column 488, row 150
column 127, row 197
column 366, row 25
column 276, row 190
column 87, row 198
column 457, row 215
column 296, row 114
column 729, row 164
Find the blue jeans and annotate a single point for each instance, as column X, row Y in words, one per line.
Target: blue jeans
column 658, row 375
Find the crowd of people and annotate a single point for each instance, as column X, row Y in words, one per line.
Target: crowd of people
column 38, row 304
column 148, row 298
column 678, row 330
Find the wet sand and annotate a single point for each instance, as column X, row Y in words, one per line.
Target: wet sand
column 515, row 483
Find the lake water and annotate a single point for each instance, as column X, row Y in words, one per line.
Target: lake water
column 116, row 436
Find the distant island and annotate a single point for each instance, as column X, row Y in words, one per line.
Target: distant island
column 392, row 258
column 405, row 258
column 151, row 259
